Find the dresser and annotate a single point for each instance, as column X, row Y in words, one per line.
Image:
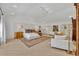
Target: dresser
column 18, row 35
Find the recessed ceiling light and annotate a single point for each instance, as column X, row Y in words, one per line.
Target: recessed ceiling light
column 15, row 6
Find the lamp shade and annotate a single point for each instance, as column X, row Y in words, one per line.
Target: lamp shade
column 19, row 27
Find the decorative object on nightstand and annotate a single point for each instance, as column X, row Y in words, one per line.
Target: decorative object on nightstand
column 40, row 33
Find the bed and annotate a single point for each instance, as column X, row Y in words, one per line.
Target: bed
column 31, row 34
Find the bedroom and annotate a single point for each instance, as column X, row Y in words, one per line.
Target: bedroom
column 27, row 22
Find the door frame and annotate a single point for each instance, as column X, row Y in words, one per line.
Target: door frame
column 77, row 28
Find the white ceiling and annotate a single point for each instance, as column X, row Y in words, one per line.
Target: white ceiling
column 38, row 13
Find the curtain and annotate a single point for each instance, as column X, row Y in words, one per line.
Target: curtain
column 2, row 30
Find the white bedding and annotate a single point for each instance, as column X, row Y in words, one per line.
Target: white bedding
column 30, row 36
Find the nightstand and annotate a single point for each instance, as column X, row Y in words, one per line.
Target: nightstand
column 18, row 35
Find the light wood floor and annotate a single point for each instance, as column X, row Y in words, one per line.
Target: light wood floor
column 17, row 48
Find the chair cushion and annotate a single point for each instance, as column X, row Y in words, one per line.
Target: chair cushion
column 60, row 37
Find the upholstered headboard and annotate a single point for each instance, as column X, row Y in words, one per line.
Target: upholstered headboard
column 30, row 31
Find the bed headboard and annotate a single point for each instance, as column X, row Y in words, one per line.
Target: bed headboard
column 30, row 31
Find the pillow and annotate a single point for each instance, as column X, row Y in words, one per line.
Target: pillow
column 62, row 37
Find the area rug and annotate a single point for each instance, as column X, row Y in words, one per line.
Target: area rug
column 31, row 43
